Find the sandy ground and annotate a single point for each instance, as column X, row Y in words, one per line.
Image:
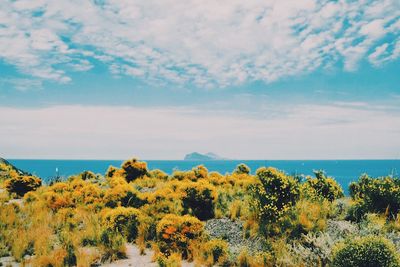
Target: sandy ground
column 136, row 260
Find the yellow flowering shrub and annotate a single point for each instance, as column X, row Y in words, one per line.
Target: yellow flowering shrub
column 158, row 174
column 200, row 172
column 216, row 179
column 173, row 260
column 123, row 220
column 73, row 193
column 111, row 171
column 274, row 196
column 22, row 184
column 123, row 195
column 134, row 169
column 380, row 195
column 175, row 233
column 242, row 169
column 199, row 199
column 7, row 171
column 163, row 201
column 322, row 187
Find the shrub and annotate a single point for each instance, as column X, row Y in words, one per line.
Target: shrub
column 88, row 175
column 162, row 201
column 215, row 251
column 175, row 233
column 21, row 185
column 73, row 193
column 309, row 216
column 200, row 172
column 377, row 195
column 123, row 220
column 158, row 174
column 123, row 195
column 216, row 179
column 274, row 195
column 245, row 259
column 134, row 169
column 110, row 171
column 366, row 251
column 173, row 260
column 242, row 169
column 198, row 199
column 322, row 187
column 112, row 245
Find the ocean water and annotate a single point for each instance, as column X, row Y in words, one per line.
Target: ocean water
column 344, row 171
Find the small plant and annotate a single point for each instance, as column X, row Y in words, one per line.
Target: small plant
column 364, row 252
column 215, row 251
column 173, row 260
column 310, row 216
column 112, row 245
column 21, row 184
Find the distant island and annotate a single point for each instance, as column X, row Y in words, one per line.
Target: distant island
column 199, row 156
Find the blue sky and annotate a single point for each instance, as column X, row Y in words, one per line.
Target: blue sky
column 297, row 79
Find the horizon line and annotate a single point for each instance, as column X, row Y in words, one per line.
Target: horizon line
column 299, row 159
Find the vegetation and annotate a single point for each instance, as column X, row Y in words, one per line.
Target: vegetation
column 236, row 219
column 21, row 185
column 367, row 251
column 274, row 196
column 376, row 195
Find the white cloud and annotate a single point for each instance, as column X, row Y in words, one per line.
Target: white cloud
column 21, row 84
column 304, row 131
column 379, row 53
column 208, row 43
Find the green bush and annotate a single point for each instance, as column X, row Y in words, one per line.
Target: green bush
column 242, row 169
column 134, row 169
column 274, row 195
column 199, row 199
column 364, row 252
column 21, row 185
column 322, row 187
column 381, row 195
column 123, row 220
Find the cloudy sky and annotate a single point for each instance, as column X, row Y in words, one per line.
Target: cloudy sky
column 293, row 79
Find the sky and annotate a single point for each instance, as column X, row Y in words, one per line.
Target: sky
column 108, row 79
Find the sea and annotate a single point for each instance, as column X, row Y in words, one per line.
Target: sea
column 344, row 171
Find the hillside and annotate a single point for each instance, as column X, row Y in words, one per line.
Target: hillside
column 6, row 168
